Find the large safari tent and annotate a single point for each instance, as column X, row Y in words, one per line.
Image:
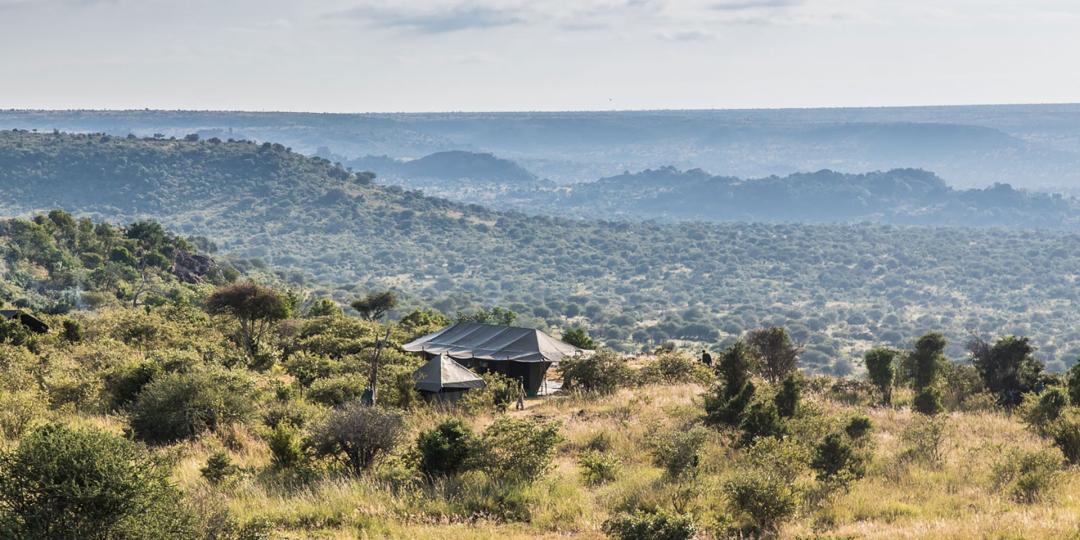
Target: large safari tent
column 523, row 354
column 443, row 379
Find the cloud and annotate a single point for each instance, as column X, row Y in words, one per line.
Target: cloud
column 684, row 35
column 746, row 5
column 436, row 19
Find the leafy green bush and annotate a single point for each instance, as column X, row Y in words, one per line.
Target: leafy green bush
column 598, row 468
column 787, row 397
column 518, row 449
column 761, row 420
column 124, row 382
column 1065, row 433
column 674, row 367
column 858, row 427
column 836, row 460
column 500, row 391
column 924, row 441
column 1041, row 410
column 286, row 449
column 602, row 372
column 357, row 435
column 656, row 525
column 447, row 448
column 1028, row 476
column 19, row 411
column 337, row 390
column 928, row 401
column 721, row 409
column 182, row 405
column 763, row 497
column 219, row 468
column 61, row 482
column 679, row 452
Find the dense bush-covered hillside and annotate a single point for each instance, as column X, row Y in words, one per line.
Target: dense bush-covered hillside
column 900, row 197
column 840, row 288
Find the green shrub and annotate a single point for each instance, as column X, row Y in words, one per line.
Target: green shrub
column 61, row 482
column 124, row 382
column 858, row 427
column 20, row 410
column 182, row 405
column 446, row 449
column 836, row 461
column 761, row 420
column 928, row 401
column 219, row 468
column 518, row 449
column 286, row 450
column 762, row 497
column 787, row 397
column 602, row 372
column 479, row 496
column 1040, row 411
column 657, row 525
column 1065, row 433
column 72, row 331
column 1028, row 476
column 337, row 390
column 675, row 368
column 598, row 468
column 720, row 409
column 358, row 434
column 924, row 441
column 500, row 391
column 679, row 452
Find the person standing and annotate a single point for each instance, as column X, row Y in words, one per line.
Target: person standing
column 520, row 396
column 706, row 358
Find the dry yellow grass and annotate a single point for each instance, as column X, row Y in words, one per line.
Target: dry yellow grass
column 956, row 500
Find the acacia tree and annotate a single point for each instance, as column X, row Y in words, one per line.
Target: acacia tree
column 256, row 308
column 881, row 367
column 1008, row 367
column 373, row 306
column 777, row 354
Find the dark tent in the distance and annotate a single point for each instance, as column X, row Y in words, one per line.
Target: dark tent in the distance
column 31, row 322
column 522, row 354
column 443, row 379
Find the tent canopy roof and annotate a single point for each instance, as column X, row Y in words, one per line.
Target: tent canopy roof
column 470, row 340
column 442, row 372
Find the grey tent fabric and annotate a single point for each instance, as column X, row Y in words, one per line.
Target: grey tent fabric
column 442, row 373
column 476, row 341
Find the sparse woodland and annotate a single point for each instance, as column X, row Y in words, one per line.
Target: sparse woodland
column 225, row 406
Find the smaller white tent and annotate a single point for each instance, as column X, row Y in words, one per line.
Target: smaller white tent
column 442, row 376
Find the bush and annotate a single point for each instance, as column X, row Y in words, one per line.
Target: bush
column 1040, row 411
column 761, row 420
column 679, row 452
column 787, row 398
column 658, row 525
column 285, row 447
column 598, row 468
column 763, row 497
column 499, row 393
column 675, row 368
column 182, row 405
column 723, row 410
column 219, row 467
column 61, row 482
column 1066, row 436
column 1028, row 476
column 338, row 390
column 20, row 410
column 602, row 372
column 518, row 449
column 126, row 381
column 858, row 427
column 447, row 448
column 358, row 434
column 928, row 401
column 836, row 461
column 925, row 441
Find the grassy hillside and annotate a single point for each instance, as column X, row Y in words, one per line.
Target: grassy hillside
column 838, row 288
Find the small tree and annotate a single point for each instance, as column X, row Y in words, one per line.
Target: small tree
column 787, row 398
column 373, row 306
column 836, row 461
column 1008, row 368
column 764, row 497
column 182, row 405
column 881, row 368
column 761, row 420
column 255, row 307
column 61, row 482
column 926, row 362
column 446, row 449
column 519, row 449
column 734, row 367
column 358, row 434
column 1072, row 379
column 579, row 338
column 600, row 373
column 777, row 354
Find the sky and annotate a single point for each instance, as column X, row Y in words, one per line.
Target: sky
column 498, row 55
